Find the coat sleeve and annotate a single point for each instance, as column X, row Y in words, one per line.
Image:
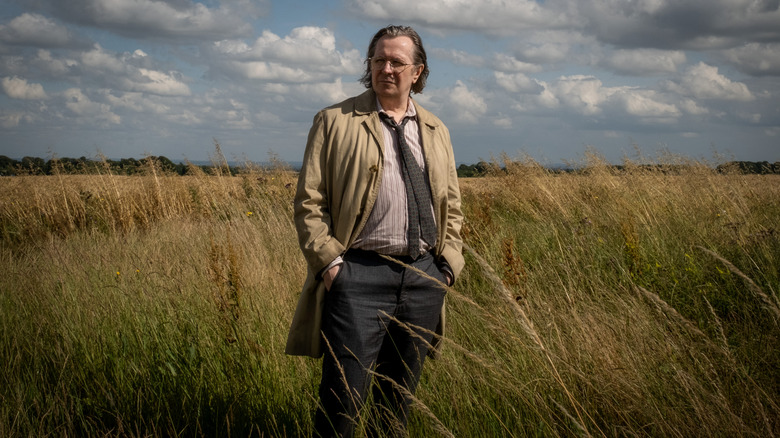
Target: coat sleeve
column 312, row 215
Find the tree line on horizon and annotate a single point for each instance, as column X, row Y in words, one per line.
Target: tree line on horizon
column 84, row 165
column 132, row 166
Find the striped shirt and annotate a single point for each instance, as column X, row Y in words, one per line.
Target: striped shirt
column 385, row 230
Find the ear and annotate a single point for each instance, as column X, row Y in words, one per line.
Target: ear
column 417, row 73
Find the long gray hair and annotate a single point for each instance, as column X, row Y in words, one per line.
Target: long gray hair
column 420, row 58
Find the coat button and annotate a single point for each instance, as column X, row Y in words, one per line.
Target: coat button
column 373, row 168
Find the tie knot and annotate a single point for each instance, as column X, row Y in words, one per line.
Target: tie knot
column 387, row 118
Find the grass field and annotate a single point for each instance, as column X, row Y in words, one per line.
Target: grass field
column 632, row 302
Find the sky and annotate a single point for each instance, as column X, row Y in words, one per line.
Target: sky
column 547, row 79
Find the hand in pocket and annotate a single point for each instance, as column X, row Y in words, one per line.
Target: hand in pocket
column 330, row 275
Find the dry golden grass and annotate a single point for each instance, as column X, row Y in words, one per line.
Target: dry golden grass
column 38, row 206
column 641, row 301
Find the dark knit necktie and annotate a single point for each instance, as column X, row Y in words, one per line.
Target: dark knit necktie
column 418, row 194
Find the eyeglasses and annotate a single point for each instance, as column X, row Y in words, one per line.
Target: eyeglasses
column 395, row 65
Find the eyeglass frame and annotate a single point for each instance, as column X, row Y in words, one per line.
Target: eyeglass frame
column 396, row 69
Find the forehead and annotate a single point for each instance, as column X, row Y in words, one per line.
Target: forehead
column 398, row 47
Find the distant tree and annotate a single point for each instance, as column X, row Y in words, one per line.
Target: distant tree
column 128, row 166
column 751, row 167
column 7, row 166
column 482, row 168
column 466, row 171
column 33, row 165
column 70, row 165
column 166, row 164
column 476, row 170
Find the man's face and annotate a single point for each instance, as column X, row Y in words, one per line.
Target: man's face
column 390, row 82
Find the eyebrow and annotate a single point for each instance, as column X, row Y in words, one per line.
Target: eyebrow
column 391, row 59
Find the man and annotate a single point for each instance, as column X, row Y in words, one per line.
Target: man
column 370, row 203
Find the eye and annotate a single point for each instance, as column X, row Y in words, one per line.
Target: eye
column 396, row 65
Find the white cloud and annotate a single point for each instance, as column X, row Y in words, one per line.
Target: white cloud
column 468, row 105
column 545, row 52
column 165, row 84
column 497, row 61
column 457, row 57
column 503, row 122
column 703, row 81
column 18, row 88
column 516, row 83
column 120, row 72
column 645, row 105
column 138, row 102
column 304, row 45
column 552, row 46
column 10, row 119
column 267, row 118
column 645, row 62
column 325, row 93
column 231, row 47
column 52, row 66
column 587, row 98
column 159, row 19
column 545, row 99
column 579, row 93
column 693, row 108
column 275, row 88
column 35, row 30
column 510, row 64
column 186, row 117
column 102, row 60
column 267, row 71
column 306, row 55
column 755, row 58
column 749, row 117
column 498, row 17
column 231, row 119
column 555, row 71
column 88, row 111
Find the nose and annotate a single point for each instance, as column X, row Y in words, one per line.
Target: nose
column 386, row 67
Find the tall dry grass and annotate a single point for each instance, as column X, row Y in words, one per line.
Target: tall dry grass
column 636, row 301
column 635, row 323
column 149, row 305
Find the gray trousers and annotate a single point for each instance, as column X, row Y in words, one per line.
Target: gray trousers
column 360, row 335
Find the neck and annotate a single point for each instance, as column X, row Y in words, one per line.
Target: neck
column 395, row 107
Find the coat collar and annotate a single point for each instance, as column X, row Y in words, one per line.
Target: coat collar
column 365, row 104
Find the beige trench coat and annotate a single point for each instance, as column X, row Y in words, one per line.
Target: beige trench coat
column 337, row 187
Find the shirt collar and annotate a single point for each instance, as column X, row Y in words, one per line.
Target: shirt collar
column 411, row 111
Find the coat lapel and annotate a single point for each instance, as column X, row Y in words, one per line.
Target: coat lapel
column 365, row 106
